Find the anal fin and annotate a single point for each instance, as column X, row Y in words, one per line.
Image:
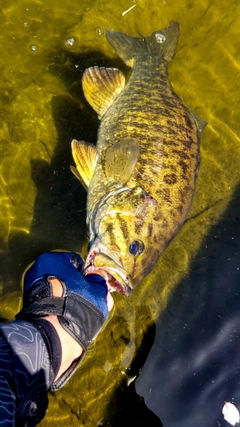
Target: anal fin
column 101, row 86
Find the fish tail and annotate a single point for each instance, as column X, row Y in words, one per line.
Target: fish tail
column 161, row 43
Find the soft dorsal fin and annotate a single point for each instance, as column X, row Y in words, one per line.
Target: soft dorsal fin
column 101, row 86
column 121, row 159
column 85, row 158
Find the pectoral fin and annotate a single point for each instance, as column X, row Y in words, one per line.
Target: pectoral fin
column 101, row 86
column 85, row 158
column 201, row 124
column 121, row 159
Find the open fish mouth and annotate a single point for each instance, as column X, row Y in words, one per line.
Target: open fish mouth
column 115, row 277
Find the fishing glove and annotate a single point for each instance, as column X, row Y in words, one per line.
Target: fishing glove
column 82, row 309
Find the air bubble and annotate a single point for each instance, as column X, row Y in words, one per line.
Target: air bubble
column 99, row 32
column 160, row 38
column 33, row 48
column 70, row 42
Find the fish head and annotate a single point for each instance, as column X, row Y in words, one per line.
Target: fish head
column 123, row 240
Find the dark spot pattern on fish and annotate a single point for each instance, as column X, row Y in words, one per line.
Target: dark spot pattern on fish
column 180, row 209
column 123, row 227
column 110, row 232
column 165, row 195
column 150, row 229
column 138, row 226
column 181, row 154
column 171, row 143
column 187, row 143
column 188, row 121
column 184, row 166
column 184, row 177
column 170, row 179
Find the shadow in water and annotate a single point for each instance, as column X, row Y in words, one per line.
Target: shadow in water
column 193, row 366
column 126, row 407
column 60, row 205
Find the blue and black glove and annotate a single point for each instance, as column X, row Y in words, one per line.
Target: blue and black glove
column 30, row 348
column 82, row 309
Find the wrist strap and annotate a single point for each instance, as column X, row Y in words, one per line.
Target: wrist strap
column 53, row 343
column 77, row 315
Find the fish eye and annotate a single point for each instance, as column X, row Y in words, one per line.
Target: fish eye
column 136, row 247
column 160, row 38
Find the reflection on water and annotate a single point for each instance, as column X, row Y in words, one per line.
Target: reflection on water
column 194, row 364
column 42, row 205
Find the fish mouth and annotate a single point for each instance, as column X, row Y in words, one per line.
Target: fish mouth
column 115, row 276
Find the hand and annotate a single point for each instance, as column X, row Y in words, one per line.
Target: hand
column 77, row 306
column 71, row 350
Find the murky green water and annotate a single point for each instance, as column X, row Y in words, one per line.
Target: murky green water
column 45, row 46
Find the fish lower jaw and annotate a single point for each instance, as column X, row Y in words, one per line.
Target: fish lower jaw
column 113, row 284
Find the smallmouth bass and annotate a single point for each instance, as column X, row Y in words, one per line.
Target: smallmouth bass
column 142, row 173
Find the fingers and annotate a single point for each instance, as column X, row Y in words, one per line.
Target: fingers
column 57, row 289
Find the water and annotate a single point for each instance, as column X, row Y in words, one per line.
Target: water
column 44, row 49
column 193, row 365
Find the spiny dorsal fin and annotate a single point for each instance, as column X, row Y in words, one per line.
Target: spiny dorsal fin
column 121, row 159
column 85, row 158
column 101, row 86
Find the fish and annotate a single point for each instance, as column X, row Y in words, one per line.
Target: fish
column 141, row 175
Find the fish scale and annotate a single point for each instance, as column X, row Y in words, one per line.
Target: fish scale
column 146, row 159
